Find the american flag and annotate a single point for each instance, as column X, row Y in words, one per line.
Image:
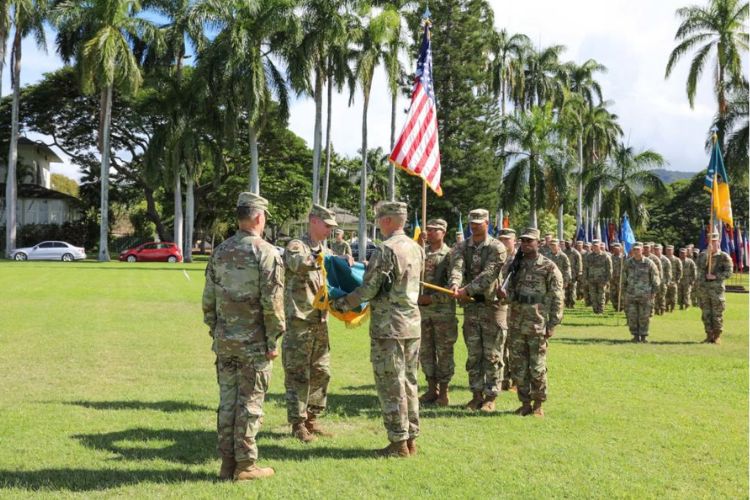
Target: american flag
column 417, row 150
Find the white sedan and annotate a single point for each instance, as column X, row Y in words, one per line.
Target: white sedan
column 50, row 250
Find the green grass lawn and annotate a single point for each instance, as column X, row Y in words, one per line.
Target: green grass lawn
column 107, row 387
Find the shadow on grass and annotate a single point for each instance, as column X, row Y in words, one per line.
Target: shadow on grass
column 460, row 412
column 79, row 480
column 589, row 341
column 349, row 405
column 276, row 452
column 186, row 447
column 165, row 406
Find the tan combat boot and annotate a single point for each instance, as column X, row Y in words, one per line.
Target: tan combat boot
column 246, row 470
column 228, row 464
column 442, row 399
column 476, row 401
column 431, row 395
column 489, row 404
column 313, row 426
column 411, row 445
column 399, row 449
column 300, row 432
column 716, row 339
column 537, row 409
column 524, row 410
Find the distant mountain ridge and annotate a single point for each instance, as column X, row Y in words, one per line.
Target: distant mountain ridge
column 670, row 176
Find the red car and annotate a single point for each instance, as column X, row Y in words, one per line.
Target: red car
column 153, row 252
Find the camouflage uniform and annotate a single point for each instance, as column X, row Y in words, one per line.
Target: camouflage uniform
column 439, row 323
column 563, row 264
column 391, row 286
column 305, row 354
column 243, row 304
column 657, row 261
column 686, row 283
column 583, row 286
column 507, row 382
column 666, row 280
column 598, row 273
column 576, row 272
column 536, row 304
column 712, row 300
column 341, row 248
column 477, row 266
column 640, row 283
column 671, row 297
column 615, row 283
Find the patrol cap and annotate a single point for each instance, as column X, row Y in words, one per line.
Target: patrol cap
column 325, row 214
column 658, row 245
column 595, row 241
column 548, row 234
column 507, row 232
column 479, row 215
column 615, row 245
column 338, row 231
column 554, row 241
column 715, row 236
column 252, row 200
column 638, row 244
column 670, row 247
column 648, row 244
column 531, row 233
column 437, row 224
column 388, row 208
column 683, row 250
column 579, row 242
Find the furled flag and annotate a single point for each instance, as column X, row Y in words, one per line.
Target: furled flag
column 627, row 238
column 726, row 241
column 506, row 222
column 605, row 235
column 417, row 229
column 460, row 225
column 581, row 234
column 417, row 150
column 340, row 279
column 717, row 183
column 702, row 240
column 739, row 248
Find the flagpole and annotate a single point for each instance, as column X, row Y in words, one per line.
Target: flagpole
column 714, row 138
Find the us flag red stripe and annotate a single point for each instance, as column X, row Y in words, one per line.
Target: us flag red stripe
column 417, row 149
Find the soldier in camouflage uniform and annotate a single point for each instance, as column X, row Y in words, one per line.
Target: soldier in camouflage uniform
column 648, row 253
column 545, row 248
column 508, row 239
column 535, row 292
column 598, row 272
column 339, row 246
column 305, row 353
column 615, row 284
column 438, row 312
column 391, row 286
column 710, row 286
column 243, row 305
column 686, row 282
column 476, row 271
column 581, row 293
column 695, row 253
column 576, row 274
column 666, row 280
column 671, row 297
column 640, row 283
column 561, row 261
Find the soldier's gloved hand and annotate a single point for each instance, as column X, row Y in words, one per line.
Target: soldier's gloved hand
column 341, row 304
column 424, row 300
column 549, row 333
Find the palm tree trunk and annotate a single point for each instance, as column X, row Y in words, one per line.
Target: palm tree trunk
column 326, row 180
column 532, row 193
column 391, row 167
column 178, row 220
column 560, row 228
column 254, row 185
column 317, row 134
column 187, row 251
column 11, row 194
column 104, row 177
column 363, row 185
column 579, row 210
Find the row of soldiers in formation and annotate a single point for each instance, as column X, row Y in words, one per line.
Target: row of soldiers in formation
column 513, row 298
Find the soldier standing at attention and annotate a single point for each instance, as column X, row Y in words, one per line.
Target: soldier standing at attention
column 576, row 274
column 476, row 271
column 614, row 283
column 711, row 288
column 536, row 308
column 438, row 312
column 560, row 260
column 581, row 292
column 598, row 273
column 671, row 297
column 641, row 282
column 243, row 305
column 508, row 239
column 687, row 280
column 391, row 286
column 666, row 280
column 340, row 247
column 305, row 354
column 545, row 248
column 648, row 253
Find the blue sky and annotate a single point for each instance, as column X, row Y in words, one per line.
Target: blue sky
column 632, row 38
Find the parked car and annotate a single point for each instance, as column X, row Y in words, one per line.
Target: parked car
column 370, row 248
column 161, row 251
column 50, row 250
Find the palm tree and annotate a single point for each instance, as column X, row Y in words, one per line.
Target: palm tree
column 533, row 142
column 99, row 35
column 27, row 18
column 376, row 34
column 4, row 32
column 542, row 81
column 626, row 177
column 734, row 126
column 718, row 29
column 507, row 64
column 240, row 62
column 580, row 79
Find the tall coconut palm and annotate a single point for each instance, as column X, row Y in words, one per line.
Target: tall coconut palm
column 240, row 61
column 718, row 30
column 625, row 177
column 507, row 64
column 580, row 79
column 99, row 36
column 376, row 34
column 4, row 32
column 542, row 80
column 734, row 127
column 27, row 18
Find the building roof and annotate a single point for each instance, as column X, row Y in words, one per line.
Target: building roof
column 41, row 148
column 39, row 192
